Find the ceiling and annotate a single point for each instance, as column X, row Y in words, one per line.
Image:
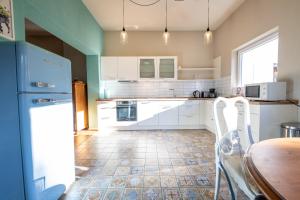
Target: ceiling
column 183, row 15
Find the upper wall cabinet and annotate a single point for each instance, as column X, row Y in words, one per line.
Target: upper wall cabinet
column 147, row 67
column 127, row 68
column 109, row 67
column 157, row 67
column 119, row 68
column 167, row 67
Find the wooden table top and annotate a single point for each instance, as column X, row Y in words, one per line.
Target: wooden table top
column 275, row 167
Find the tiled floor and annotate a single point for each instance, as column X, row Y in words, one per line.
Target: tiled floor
column 145, row 165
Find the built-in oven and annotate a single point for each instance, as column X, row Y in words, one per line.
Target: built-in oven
column 126, row 111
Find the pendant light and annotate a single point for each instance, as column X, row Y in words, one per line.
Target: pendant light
column 123, row 34
column 208, row 35
column 166, row 34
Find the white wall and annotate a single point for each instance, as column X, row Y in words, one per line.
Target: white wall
column 256, row 17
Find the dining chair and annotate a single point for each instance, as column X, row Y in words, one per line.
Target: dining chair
column 233, row 139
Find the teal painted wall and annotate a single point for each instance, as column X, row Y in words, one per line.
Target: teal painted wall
column 93, row 74
column 70, row 21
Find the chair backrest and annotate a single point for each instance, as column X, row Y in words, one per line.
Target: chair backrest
column 232, row 116
column 234, row 138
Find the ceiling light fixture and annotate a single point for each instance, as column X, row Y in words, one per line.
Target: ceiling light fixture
column 166, row 34
column 208, row 35
column 123, row 34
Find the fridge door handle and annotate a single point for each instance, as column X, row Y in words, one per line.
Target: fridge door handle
column 53, row 101
column 40, row 84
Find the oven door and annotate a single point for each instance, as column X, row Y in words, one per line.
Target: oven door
column 253, row 92
column 126, row 113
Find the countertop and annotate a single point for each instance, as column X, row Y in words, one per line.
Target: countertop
column 195, row 99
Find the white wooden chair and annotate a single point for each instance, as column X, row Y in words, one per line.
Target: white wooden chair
column 233, row 139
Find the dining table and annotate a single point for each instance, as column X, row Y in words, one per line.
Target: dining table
column 274, row 166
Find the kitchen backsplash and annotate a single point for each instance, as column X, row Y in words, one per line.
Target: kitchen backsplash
column 163, row 88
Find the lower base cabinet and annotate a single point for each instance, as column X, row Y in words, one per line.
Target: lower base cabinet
column 195, row 114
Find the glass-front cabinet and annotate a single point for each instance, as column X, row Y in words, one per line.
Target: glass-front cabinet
column 167, row 67
column 158, row 67
column 147, row 68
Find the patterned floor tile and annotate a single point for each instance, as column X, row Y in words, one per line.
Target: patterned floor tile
column 132, row 194
column 190, row 161
column 152, row 194
column 191, row 194
column 186, row 181
column 151, row 170
column 113, row 194
column 203, row 181
column 178, row 162
column 171, row 194
column 140, row 164
column 94, row 194
column 122, row 171
column 151, row 181
column 135, row 182
column 102, row 182
column 168, row 181
column 166, row 171
column 181, row 170
column 136, row 170
column 118, row 182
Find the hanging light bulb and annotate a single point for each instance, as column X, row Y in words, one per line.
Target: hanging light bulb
column 166, row 34
column 208, row 35
column 123, row 34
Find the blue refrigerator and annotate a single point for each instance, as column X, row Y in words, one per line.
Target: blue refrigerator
column 36, row 124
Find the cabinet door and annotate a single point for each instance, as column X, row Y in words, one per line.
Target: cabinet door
column 148, row 113
column 109, row 68
column 189, row 113
column 167, row 67
column 127, row 68
column 147, row 68
column 107, row 114
column 168, row 112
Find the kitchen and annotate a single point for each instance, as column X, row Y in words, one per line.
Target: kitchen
column 152, row 74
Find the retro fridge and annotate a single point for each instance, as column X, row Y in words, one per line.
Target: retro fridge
column 36, row 124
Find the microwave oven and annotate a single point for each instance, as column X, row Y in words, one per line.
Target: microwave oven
column 270, row 91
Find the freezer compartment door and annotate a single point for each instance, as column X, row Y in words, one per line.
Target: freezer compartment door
column 42, row 71
column 47, row 143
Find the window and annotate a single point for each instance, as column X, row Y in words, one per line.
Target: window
column 258, row 61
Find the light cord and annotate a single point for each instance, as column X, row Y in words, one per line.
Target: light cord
column 208, row 11
column 166, row 14
column 123, row 13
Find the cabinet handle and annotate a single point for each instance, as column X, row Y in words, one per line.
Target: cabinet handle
column 47, row 101
column 40, row 84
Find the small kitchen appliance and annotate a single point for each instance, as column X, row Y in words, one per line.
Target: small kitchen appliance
column 270, row 91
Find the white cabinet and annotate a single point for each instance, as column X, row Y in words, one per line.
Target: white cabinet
column 147, row 113
column 209, row 116
column 106, row 114
column 119, row 68
column 147, row 68
column 157, row 67
column 127, row 68
column 109, row 68
column 167, row 67
column 168, row 113
column 189, row 113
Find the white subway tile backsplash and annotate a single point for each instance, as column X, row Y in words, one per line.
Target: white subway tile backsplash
column 161, row 88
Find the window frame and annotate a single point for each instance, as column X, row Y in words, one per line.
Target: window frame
column 250, row 46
